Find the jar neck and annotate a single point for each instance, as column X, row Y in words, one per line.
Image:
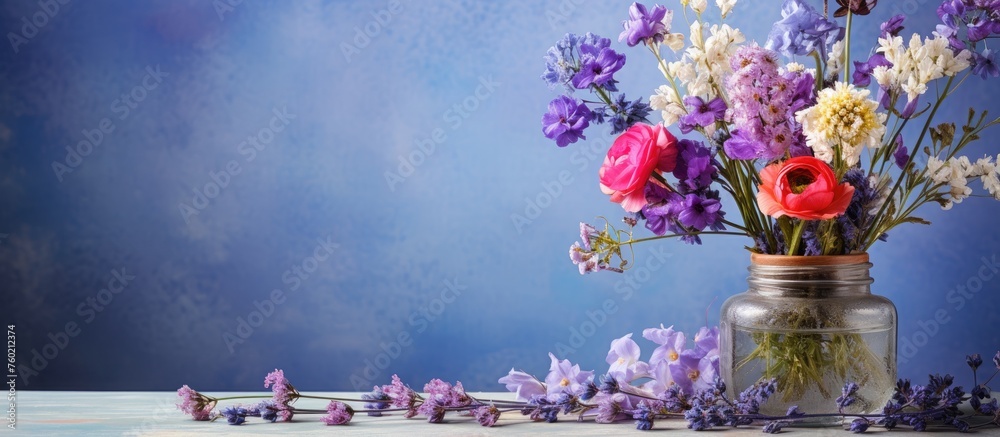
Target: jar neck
column 816, row 277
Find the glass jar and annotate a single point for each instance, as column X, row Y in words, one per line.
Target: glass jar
column 812, row 323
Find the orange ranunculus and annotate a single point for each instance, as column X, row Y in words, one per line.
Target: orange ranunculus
column 803, row 187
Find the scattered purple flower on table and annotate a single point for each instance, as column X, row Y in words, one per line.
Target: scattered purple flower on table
column 695, row 371
column 565, row 377
column 486, row 415
column 524, row 386
column 338, row 413
column 773, row 427
column 644, row 25
column 195, row 404
column 609, row 385
column 235, row 415
column 612, row 408
column 267, row 410
column 624, row 360
column 283, row 393
column 566, row 120
column 643, row 416
column 589, row 391
column 402, row 396
column 671, row 344
column 802, row 31
column 434, row 409
column 859, row 425
column 380, row 401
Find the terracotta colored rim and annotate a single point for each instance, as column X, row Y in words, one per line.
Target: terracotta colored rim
column 798, row 261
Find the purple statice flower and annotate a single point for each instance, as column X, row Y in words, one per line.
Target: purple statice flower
column 701, row 113
column 486, row 415
column 696, row 371
column 859, row 425
column 566, row 120
column 597, row 67
column 893, row 26
column 565, row 377
column 337, row 413
column 587, row 233
column 700, row 211
column 761, row 103
column 802, row 30
column 195, row 404
column 984, row 65
column 901, row 156
column 235, row 415
column 643, row 416
column 523, row 385
column 695, row 167
column 643, row 25
column 671, row 344
column 623, row 114
column 433, row 409
column 283, row 393
column 624, row 360
column 587, row 261
column 445, row 394
column 402, row 396
column 379, row 401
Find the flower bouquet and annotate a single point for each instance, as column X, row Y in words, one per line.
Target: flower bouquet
column 809, row 151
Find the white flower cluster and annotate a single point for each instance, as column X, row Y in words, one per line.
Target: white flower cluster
column 701, row 71
column 956, row 172
column 835, row 60
column 913, row 67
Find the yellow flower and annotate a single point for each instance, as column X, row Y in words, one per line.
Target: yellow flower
column 843, row 119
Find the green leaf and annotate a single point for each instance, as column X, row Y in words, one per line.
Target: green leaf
column 916, row 220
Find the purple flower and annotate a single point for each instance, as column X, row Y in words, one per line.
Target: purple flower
column 901, row 155
column 859, row 425
column 235, row 415
column 380, row 401
column 893, row 26
column 338, row 413
column 597, row 66
column 283, row 393
column 742, row 146
column 707, row 340
column 587, row 232
column 974, row 361
column 612, row 408
column 562, row 61
column 661, row 216
column 862, row 75
column 847, row 396
column 624, row 360
column 696, row 371
column 773, row 427
column 643, row 416
column 486, row 415
column 523, row 385
column 565, row 377
column 802, row 31
column 401, row 395
column 702, row 113
column 195, row 404
column 643, row 25
column 671, row 344
column 695, row 167
column 996, row 360
column 433, row 409
column 698, row 212
column 623, row 113
column 566, row 120
column 985, row 65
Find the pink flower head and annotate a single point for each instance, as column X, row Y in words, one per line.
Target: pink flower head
column 631, row 161
column 338, row 413
column 487, row 415
column 283, row 393
column 195, row 404
column 804, row 188
column 402, row 396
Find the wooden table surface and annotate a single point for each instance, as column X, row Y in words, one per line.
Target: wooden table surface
column 51, row 413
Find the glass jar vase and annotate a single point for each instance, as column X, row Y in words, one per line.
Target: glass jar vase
column 811, row 323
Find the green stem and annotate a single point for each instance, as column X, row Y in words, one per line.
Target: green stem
column 847, row 46
column 661, row 237
column 793, row 243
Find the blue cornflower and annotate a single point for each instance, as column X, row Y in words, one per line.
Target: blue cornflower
column 802, row 31
column 566, row 120
column 625, row 113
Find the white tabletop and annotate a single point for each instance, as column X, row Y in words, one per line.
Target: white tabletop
column 154, row 414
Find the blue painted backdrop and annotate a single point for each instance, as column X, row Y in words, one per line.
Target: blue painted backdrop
column 366, row 160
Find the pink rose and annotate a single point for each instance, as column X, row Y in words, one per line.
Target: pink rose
column 631, row 161
column 804, row 188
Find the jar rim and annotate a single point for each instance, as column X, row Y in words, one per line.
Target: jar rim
column 801, row 261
